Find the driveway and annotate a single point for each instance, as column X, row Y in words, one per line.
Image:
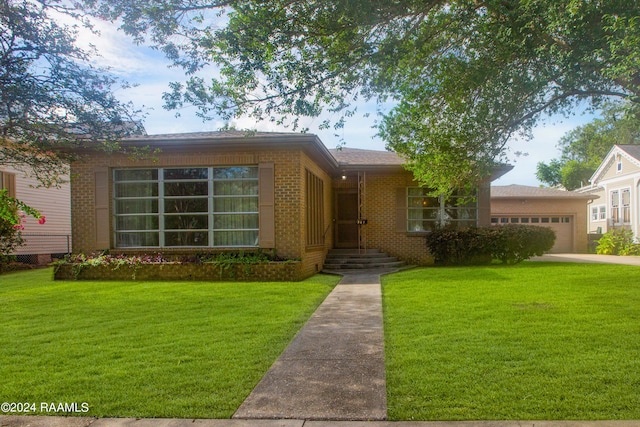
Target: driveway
column 589, row 258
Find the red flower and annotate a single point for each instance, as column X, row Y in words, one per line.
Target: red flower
column 42, row 220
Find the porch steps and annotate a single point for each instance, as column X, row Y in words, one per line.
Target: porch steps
column 354, row 259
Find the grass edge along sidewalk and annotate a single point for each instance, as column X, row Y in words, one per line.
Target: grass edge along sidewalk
column 145, row 349
column 535, row 341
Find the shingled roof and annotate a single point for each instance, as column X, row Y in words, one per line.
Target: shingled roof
column 631, row 149
column 357, row 156
column 515, row 191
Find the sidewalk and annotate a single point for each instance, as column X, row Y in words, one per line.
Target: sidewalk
column 334, row 368
column 18, row 421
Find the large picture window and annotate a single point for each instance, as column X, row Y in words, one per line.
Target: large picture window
column 186, row 207
column 426, row 212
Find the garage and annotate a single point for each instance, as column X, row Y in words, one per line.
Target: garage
column 565, row 212
column 563, row 227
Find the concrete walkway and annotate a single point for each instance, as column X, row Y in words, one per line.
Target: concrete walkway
column 334, row 367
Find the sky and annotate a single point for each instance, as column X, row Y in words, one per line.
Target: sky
column 151, row 73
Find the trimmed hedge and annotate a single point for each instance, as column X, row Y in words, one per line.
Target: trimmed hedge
column 510, row 244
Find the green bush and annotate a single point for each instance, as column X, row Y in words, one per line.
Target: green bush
column 466, row 246
column 618, row 241
column 510, row 244
column 10, row 239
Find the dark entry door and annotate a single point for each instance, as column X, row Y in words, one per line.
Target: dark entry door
column 346, row 226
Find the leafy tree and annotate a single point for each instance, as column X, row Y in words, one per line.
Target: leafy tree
column 584, row 148
column 51, row 97
column 464, row 75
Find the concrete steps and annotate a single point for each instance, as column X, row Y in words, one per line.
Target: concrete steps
column 354, row 259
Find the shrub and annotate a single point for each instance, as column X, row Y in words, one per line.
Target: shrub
column 450, row 246
column 10, row 239
column 510, row 244
column 618, row 241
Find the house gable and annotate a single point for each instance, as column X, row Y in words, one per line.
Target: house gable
column 621, row 161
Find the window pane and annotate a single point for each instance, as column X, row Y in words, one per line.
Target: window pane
column 422, row 225
column 235, row 204
column 614, row 199
column 235, row 238
column 138, row 189
column 235, row 188
column 186, row 238
column 189, row 173
column 524, row 220
column 460, row 213
column 133, row 240
column 186, row 205
column 235, row 221
column 137, row 206
column 626, row 197
column 136, row 175
column 186, row 188
column 421, row 214
column 243, row 172
column 137, row 222
column 426, row 202
column 186, row 222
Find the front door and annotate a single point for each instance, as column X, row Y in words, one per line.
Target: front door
column 346, row 227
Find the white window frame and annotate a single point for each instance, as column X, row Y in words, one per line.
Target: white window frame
column 441, row 210
column 614, row 204
column 211, row 213
column 598, row 213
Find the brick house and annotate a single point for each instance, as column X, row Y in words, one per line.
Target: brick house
column 563, row 211
column 616, row 187
column 281, row 192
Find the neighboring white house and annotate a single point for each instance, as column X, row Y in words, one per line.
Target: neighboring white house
column 617, row 183
column 52, row 237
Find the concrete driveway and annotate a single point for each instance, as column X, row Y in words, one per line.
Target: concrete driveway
column 589, row 258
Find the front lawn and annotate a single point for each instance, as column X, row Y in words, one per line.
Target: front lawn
column 534, row 341
column 145, row 349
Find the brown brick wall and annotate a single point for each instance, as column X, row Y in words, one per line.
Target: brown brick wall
column 289, row 213
column 381, row 212
column 313, row 258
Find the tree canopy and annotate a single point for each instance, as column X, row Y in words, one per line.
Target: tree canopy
column 584, row 148
column 464, row 76
column 51, row 97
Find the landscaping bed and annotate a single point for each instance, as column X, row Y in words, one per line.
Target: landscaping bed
column 237, row 267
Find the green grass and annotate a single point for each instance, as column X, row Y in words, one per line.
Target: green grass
column 535, row 341
column 142, row 349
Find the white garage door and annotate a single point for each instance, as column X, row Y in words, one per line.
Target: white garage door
column 562, row 225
